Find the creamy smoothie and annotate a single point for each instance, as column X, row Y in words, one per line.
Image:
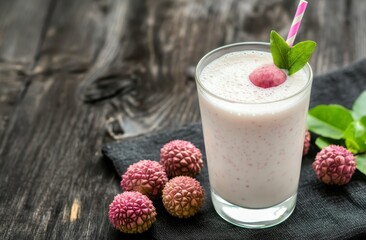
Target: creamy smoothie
column 253, row 136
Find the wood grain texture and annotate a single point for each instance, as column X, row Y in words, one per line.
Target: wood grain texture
column 21, row 26
column 19, row 44
column 73, row 74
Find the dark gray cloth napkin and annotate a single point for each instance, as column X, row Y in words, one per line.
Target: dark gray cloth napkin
column 322, row 212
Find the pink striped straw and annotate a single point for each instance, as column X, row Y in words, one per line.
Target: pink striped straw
column 296, row 22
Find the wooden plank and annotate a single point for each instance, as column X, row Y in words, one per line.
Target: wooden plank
column 327, row 24
column 55, row 179
column 21, row 25
column 67, row 45
column 19, row 43
column 356, row 19
column 54, row 176
column 338, row 28
column 75, row 35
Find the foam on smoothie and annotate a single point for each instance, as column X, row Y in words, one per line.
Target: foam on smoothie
column 228, row 77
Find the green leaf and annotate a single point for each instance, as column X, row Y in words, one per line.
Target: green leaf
column 355, row 136
column 359, row 106
column 353, row 146
column 299, row 55
column 279, row 50
column 361, row 163
column 329, row 120
column 363, row 121
column 322, row 142
column 293, row 59
column 355, row 129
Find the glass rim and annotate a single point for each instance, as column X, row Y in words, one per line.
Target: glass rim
column 207, row 55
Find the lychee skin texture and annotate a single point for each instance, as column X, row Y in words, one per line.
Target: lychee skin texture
column 267, row 76
column 334, row 165
column 132, row 212
column 147, row 177
column 183, row 196
column 306, row 143
column 181, row 158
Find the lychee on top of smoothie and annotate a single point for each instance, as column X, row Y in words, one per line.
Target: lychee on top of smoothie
column 267, row 76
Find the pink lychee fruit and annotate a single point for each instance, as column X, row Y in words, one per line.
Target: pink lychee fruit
column 132, row 212
column 306, row 143
column 267, row 76
column 183, row 196
column 147, row 177
column 334, row 165
column 181, row 158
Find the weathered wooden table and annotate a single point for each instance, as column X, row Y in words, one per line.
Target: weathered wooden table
column 77, row 74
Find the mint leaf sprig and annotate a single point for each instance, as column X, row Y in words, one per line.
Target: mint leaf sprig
column 338, row 125
column 293, row 59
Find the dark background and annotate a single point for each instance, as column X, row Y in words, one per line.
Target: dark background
column 76, row 74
